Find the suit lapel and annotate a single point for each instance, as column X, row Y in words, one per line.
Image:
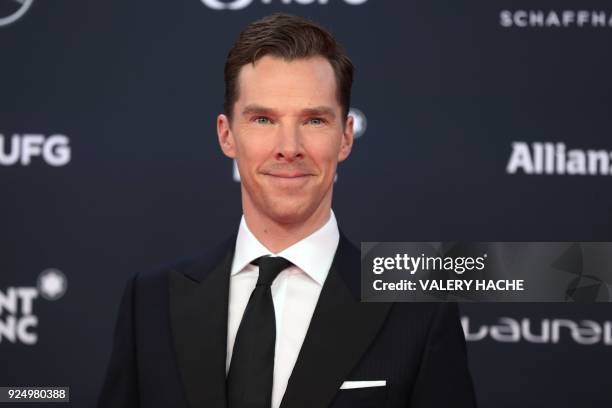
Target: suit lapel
column 340, row 331
column 198, row 312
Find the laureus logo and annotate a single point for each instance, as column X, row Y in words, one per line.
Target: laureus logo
column 240, row 4
column 544, row 331
column 13, row 10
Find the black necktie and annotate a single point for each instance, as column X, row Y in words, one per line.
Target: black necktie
column 249, row 381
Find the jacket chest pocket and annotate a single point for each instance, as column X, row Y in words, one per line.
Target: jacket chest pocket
column 369, row 397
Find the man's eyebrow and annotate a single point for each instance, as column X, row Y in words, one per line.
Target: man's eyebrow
column 258, row 110
column 315, row 111
column 319, row 111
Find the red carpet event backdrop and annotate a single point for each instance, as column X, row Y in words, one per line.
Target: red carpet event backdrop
column 476, row 120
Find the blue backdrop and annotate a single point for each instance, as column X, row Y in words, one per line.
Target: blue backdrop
column 109, row 164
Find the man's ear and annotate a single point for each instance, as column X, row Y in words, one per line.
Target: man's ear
column 226, row 137
column 347, row 139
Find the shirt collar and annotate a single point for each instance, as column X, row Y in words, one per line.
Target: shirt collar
column 313, row 254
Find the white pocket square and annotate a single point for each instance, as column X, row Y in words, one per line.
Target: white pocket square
column 347, row 385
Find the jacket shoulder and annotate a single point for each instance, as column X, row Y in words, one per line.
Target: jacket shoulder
column 194, row 267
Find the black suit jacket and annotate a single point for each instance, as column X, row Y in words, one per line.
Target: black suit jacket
column 170, row 343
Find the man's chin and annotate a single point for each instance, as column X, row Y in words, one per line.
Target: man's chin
column 290, row 214
column 288, row 217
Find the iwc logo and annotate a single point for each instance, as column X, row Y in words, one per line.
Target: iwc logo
column 13, row 10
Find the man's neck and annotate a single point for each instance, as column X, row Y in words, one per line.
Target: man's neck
column 276, row 236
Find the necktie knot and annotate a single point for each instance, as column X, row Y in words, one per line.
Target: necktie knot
column 269, row 268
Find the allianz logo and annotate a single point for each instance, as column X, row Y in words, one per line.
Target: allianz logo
column 241, row 4
column 544, row 331
column 556, row 159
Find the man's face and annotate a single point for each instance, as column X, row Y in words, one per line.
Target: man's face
column 287, row 135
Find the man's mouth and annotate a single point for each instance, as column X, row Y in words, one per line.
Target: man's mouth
column 288, row 175
column 288, row 179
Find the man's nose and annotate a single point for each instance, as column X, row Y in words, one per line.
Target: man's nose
column 289, row 145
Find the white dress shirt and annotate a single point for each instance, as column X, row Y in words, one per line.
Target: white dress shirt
column 295, row 293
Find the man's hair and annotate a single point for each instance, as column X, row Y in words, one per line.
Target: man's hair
column 287, row 37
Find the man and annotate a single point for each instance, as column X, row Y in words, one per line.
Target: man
column 272, row 318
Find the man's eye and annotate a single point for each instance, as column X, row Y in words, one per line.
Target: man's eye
column 316, row 121
column 262, row 120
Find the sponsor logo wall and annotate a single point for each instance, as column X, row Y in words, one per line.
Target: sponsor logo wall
column 486, row 121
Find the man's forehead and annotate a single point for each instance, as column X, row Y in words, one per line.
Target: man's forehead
column 271, row 78
column 318, row 62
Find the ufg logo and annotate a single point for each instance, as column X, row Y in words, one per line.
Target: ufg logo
column 240, row 4
column 20, row 149
column 18, row 322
